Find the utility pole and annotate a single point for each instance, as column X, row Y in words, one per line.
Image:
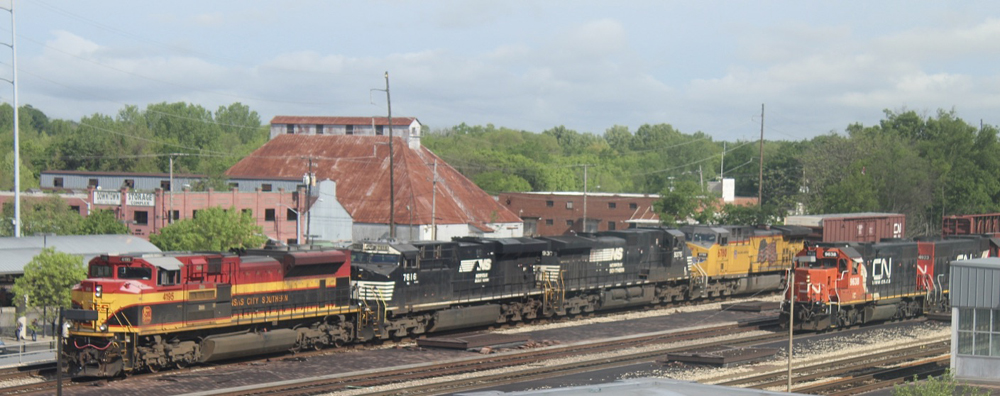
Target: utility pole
column 17, row 147
column 722, row 166
column 310, row 179
column 584, row 228
column 170, row 214
column 760, row 180
column 434, row 182
column 791, row 321
column 392, row 182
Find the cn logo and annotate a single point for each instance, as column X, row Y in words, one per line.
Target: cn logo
column 816, row 288
column 881, row 271
column 922, row 269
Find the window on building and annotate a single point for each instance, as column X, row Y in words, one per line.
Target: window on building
column 268, row 214
column 548, row 221
column 165, row 185
column 291, row 215
column 633, row 206
column 569, row 223
column 611, row 226
column 265, row 187
column 248, row 212
column 549, row 204
column 979, row 332
column 130, row 183
column 379, row 130
column 234, row 185
column 569, row 204
column 349, row 130
column 75, row 208
column 291, row 241
column 141, row 217
column 289, row 129
column 612, row 205
column 92, row 183
column 57, row 182
column 194, row 214
column 319, row 129
column 176, row 214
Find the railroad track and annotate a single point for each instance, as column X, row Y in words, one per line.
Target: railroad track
column 849, row 376
column 535, row 361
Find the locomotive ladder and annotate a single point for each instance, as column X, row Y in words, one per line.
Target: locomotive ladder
column 365, row 314
column 555, row 293
column 129, row 339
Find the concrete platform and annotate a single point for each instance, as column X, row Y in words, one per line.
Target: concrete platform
column 752, row 306
column 475, row 341
column 721, row 356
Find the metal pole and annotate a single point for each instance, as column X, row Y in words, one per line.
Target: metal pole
column 17, row 149
column 584, row 228
column 312, row 180
column 392, row 182
column 791, row 322
column 59, row 342
column 170, row 213
column 760, row 180
column 434, row 183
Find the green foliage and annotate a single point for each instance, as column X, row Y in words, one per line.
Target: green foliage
column 749, row 215
column 213, row 229
column 49, row 215
column 685, row 201
column 133, row 140
column 48, row 279
column 945, row 385
column 102, row 222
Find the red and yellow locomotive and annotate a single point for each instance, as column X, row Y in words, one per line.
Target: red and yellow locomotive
column 174, row 309
column 845, row 284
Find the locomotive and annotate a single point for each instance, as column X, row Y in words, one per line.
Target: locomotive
column 845, row 284
column 174, row 309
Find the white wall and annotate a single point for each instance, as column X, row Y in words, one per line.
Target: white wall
column 329, row 220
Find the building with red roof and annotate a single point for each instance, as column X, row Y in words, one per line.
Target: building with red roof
column 433, row 201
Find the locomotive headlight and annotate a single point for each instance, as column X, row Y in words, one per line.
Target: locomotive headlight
column 104, row 327
column 98, row 291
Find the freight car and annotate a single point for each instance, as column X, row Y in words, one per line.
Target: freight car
column 846, row 284
column 175, row 309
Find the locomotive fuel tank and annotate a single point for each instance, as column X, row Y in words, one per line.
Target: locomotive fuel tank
column 247, row 344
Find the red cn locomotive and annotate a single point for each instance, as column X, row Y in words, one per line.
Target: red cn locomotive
column 845, row 284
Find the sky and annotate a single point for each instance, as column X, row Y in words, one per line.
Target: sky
column 701, row 66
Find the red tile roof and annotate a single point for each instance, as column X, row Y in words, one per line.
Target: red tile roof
column 360, row 166
column 311, row 120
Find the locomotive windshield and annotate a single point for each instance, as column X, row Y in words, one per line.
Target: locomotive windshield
column 374, row 258
column 134, row 273
column 101, row 271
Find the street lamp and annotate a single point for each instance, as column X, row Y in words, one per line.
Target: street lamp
column 298, row 227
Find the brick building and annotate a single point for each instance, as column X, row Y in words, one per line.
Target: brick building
column 558, row 213
column 146, row 213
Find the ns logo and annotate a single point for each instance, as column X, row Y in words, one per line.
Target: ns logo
column 881, row 271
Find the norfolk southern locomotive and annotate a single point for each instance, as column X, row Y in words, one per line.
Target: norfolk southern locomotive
column 174, row 309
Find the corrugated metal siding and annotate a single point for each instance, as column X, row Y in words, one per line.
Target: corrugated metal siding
column 974, row 283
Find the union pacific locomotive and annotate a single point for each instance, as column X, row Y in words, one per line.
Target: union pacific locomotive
column 174, row 309
column 845, row 284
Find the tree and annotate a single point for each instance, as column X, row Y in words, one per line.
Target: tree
column 48, row 279
column 102, row 222
column 685, row 201
column 936, row 386
column 50, row 215
column 213, row 229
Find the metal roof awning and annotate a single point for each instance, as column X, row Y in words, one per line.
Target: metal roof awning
column 167, row 263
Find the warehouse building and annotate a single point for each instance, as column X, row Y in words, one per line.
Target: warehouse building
column 975, row 319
